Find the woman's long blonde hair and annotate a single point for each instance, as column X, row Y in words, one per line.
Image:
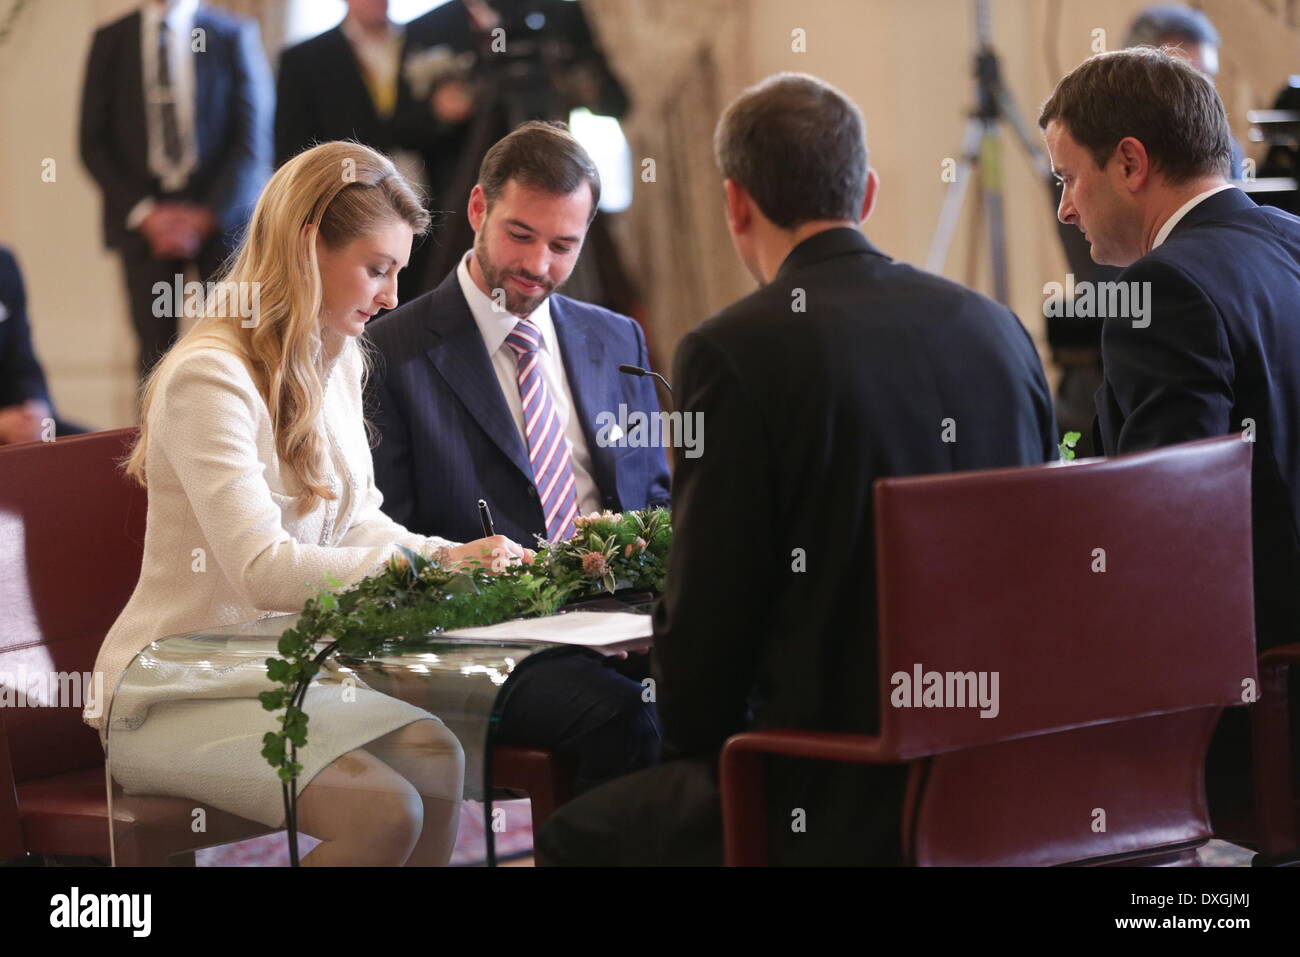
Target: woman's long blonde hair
column 342, row 190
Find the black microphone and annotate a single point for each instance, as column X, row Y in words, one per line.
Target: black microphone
column 637, row 370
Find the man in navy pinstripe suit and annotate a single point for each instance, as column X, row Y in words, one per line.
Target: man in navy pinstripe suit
column 491, row 387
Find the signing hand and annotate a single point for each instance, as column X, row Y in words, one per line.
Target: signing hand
column 494, row 554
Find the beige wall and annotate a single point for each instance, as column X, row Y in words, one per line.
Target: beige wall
column 906, row 62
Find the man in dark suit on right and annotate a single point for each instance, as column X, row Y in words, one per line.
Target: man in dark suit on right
column 1140, row 140
column 846, row 366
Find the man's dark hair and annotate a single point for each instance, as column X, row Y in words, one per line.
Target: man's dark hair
column 1171, row 23
column 543, row 156
column 798, row 147
column 1158, row 99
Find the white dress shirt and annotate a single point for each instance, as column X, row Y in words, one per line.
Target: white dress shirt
column 494, row 326
column 1183, row 210
column 180, row 20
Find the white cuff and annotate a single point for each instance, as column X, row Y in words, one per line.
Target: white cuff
column 139, row 212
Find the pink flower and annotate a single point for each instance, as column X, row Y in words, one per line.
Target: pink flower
column 627, row 551
column 640, row 544
column 593, row 563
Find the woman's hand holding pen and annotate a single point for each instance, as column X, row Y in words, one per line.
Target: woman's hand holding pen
column 494, row 554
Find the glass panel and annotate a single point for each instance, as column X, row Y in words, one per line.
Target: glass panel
column 380, row 784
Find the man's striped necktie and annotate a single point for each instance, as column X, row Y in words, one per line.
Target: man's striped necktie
column 548, row 449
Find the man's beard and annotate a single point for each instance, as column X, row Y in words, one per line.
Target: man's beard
column 516, row 302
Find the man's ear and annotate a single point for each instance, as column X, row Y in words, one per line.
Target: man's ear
column 869, row 197
column 1134, row 163
column 739, row 210
column 477, row 207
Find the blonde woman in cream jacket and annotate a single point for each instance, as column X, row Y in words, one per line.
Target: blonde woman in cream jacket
column 253, row 448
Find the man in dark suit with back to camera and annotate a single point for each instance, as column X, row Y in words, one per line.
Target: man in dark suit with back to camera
column 844, row 367
column 492, row 386
column 1140, row 140
column 176, row 130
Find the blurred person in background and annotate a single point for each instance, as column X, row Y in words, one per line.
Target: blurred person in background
column 349, row 83
column 176, row 130
column 477, row 71
column 25, row 406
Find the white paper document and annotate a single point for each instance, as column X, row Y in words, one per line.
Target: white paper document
column 592, row 629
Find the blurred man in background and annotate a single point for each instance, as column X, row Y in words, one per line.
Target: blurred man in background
column 350, row 83
column 478, row 70
column 26, row 412
column 176, row 130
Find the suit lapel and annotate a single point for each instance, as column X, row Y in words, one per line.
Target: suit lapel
column 461, row 359
column 351, row 79
column 205, row 92
column 132, row 63
column 583, row 355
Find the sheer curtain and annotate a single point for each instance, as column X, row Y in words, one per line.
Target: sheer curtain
column 271, row 16
column 674, row 240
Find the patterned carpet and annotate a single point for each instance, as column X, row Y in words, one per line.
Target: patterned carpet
column 515, row 844
column 515, row 839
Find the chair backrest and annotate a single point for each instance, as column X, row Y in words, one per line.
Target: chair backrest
column 1101, row 616
column 71, row 541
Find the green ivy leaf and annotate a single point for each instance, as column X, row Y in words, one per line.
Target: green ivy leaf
column 461, row 584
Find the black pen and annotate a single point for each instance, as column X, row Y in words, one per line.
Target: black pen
column 485, row 517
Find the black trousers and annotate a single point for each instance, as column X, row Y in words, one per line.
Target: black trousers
column 155, row 333
column 584, row 707
column 671, row 815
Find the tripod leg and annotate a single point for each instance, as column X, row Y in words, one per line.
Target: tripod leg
column 955, row 197
column 1007, row 107
column 992, row 183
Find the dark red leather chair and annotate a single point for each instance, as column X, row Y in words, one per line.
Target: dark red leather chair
column 71, row 540
column 1111, row 682
column 1274, row 827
